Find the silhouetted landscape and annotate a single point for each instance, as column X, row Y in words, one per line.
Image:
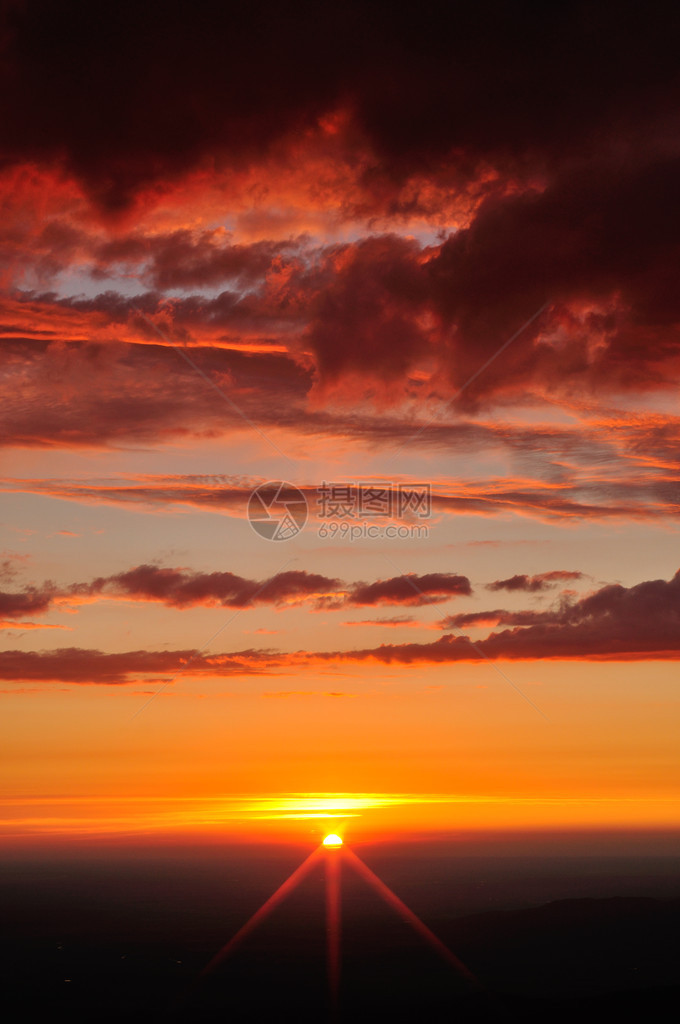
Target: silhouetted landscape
column 124, row 934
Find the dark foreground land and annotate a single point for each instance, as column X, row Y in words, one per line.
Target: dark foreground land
column 126, row 938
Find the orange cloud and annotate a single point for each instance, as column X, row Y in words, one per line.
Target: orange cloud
column 575, row 495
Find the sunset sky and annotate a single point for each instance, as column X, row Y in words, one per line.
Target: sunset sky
column 429, row 252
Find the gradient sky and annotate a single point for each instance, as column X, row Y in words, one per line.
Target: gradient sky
column 390, row 249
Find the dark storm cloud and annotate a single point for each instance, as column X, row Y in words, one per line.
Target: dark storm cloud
column 572, row 112
column 128, row 94
column 597, row 244
column 593, row 249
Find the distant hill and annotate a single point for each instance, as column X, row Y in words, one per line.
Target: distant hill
column 578, row 960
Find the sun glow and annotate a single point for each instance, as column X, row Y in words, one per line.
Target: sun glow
column 332, row 840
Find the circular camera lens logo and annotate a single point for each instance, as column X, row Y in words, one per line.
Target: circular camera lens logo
column 277, row 510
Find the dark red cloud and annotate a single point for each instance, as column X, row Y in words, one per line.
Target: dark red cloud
column 604, row 275
column 76, row 665
column 533, row 584
column 410, row 589
column 371, row 304
column 394, row 620
column 495, row 617
column 188, row 260
column 615, row 623
column 176, row 588
column 99, row 394
column 128, row 382
column 404, row 321
column 182, row 589
column 31, row 601
column 610, row 314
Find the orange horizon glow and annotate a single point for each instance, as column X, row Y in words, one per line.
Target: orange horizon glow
column 285, row 817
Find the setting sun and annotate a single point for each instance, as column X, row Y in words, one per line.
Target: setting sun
column 332, row 840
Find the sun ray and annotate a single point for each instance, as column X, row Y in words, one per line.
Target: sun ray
column 412, row 919
column 333, row 924
column 283, row 890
